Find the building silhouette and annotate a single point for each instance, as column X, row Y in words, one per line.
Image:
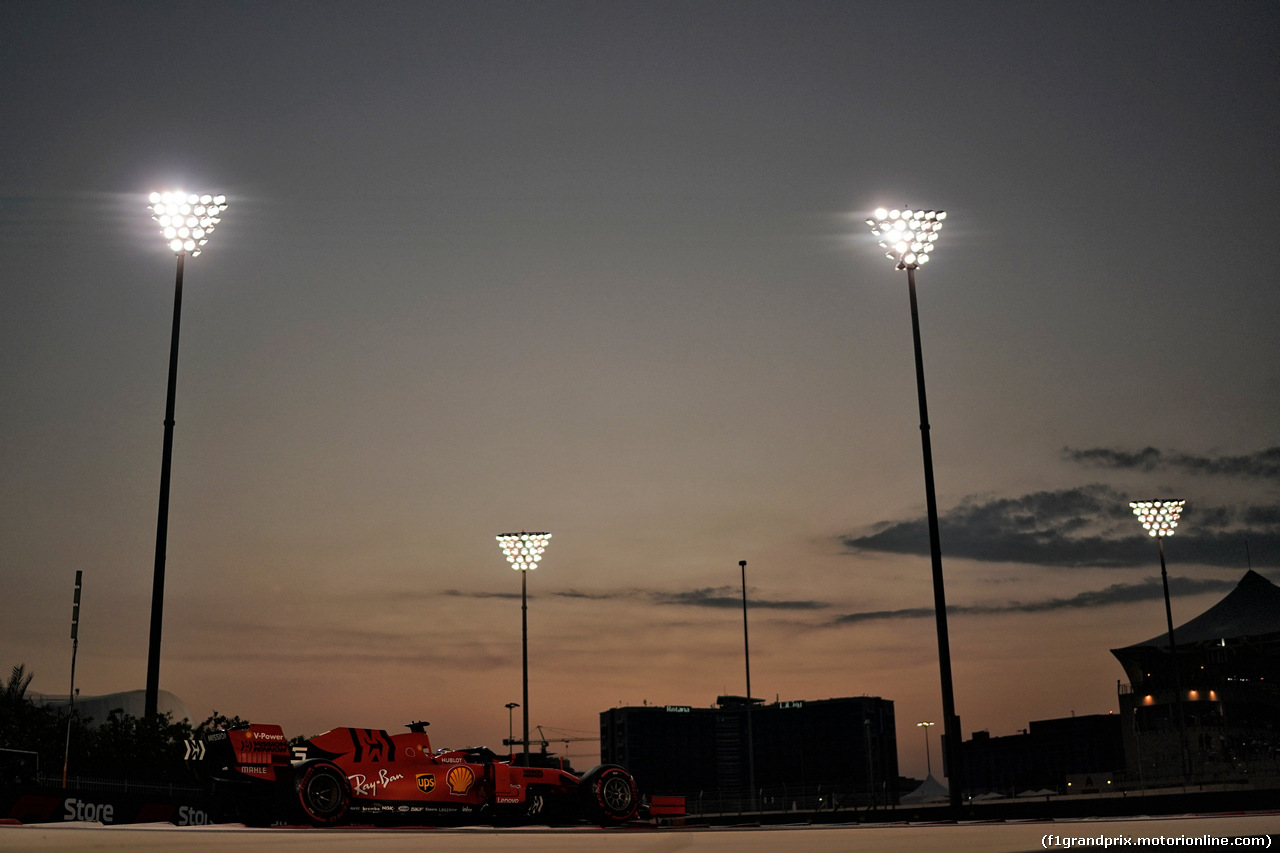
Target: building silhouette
column 1085, row 753
column 826, row 753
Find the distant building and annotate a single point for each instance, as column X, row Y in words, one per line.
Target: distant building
column 1225, row 723
column 840, row 751
column 1084, row 753
column 97, row 709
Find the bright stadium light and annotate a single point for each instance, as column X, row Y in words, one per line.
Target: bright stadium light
column 186, row 220
column 523, row 551
column 909, row 238
column 1159, row 518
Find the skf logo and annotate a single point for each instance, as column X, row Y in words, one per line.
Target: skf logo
column 460, row 779
column 426, row 782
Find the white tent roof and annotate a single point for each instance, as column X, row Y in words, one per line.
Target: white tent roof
column 930, row 791
column 1250, row 610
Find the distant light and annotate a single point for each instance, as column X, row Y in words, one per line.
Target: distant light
column 523, row 550
column 1158, row 518
column 909, row 235
column 186, row 220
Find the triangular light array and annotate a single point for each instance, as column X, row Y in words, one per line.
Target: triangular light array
column 186, row 219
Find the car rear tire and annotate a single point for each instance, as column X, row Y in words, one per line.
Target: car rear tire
column 323, row 793
column 610, row 794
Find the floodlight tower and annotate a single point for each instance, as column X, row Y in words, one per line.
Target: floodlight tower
column 928, row 757
column 511, row 732
column 523, row 551
column 746, row 653
column 1159, row 518
column 71, row 696
column 186, row 220
column 909, row 236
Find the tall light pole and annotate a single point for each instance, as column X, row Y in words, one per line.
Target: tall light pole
column 523, row 551
column 1159, row 518
column 71, row 697
column 186, row 220
column 511, row 732
column 746, row 646
column 928, row 761
column 909, row 236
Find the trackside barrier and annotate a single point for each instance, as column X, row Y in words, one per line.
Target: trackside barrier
column 37, row 804
column 667, row 807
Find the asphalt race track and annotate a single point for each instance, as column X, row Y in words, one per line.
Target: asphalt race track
column 1251, row 831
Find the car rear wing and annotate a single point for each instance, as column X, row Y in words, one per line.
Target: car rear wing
column 255, row 751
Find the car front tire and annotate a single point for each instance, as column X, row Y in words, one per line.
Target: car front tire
column 610, row 794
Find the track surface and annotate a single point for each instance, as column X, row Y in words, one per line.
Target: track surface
column 1258, row 831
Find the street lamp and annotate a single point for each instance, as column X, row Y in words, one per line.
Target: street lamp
column 71, row 697
column 186, row 220
column 746, row 646
column 928, row 761
column 909, row 237
column 523, row 551
column 1159, row 518
column 511, row 736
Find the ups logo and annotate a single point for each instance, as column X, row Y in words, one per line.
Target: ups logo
column 426, row 783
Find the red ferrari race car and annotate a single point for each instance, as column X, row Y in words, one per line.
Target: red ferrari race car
column 367, row 775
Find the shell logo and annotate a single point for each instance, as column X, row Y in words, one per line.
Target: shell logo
column 460, row 779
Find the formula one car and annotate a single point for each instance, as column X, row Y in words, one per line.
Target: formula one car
column 367, row 775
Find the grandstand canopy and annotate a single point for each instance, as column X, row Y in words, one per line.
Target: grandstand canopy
column 1252, row 609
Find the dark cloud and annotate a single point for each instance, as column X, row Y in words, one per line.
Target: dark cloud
column 1146, row 459
column 460, row 594
column 1072, row 527
column 712, row 597
column 727, row 596
column 594, row 596
column 563, row 593
column 1120, row 593
column 874, row 615
column 1087, row 526
column 1260, row 465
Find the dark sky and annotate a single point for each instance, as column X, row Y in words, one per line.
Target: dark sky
column 602, row 269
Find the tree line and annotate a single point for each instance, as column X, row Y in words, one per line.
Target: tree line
column 122, row 747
